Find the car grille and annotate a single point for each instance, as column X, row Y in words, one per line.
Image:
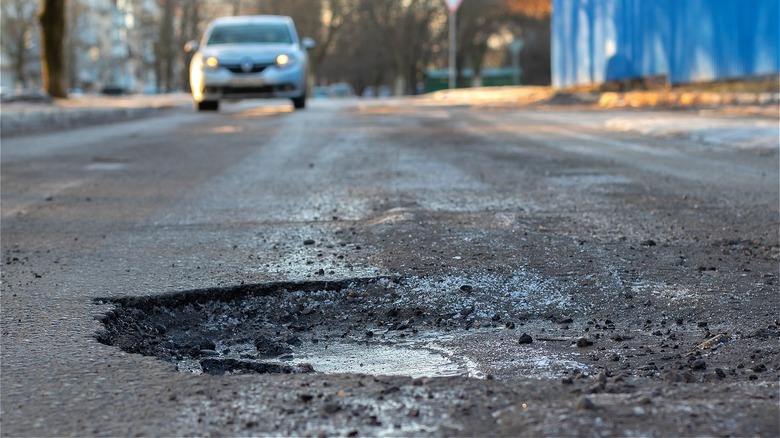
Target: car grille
column 265, row 89
column 236, row 68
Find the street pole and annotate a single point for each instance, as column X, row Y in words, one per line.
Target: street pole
column 453, row 42
column 515, row 47
column 453, row 5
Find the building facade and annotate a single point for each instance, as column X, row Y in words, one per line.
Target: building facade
column 110, row 45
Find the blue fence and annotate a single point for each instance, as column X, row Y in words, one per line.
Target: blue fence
column 594, row 41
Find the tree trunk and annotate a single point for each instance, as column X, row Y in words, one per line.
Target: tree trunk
column 187, row 31
column 53, row 69
column 166, row 53
column 72, row 47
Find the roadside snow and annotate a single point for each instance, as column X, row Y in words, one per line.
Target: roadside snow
column 732, row 132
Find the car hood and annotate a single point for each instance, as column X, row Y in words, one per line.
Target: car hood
column 257, row 52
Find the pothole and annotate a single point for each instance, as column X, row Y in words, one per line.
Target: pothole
column 415, row 327
column 316, row 327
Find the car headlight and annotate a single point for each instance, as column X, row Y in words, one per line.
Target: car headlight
column 212, row 62
column 283, row 60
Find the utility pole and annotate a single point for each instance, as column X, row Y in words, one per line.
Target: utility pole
column 452, row 5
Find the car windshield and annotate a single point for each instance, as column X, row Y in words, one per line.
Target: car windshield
column 250, row 34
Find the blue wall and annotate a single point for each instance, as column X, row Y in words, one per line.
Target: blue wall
column 594, row 41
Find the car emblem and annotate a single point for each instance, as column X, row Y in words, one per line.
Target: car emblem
column 246, row 65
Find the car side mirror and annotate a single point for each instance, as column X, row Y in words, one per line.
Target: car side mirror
column 191, row 46
column 308, row 43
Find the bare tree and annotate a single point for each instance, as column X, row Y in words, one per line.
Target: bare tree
column 530, row 20
column 76, row 12
column 477, row 22
column 165, row 50
column 18, row 23
column 332, row 18
column 188, row 30
column 403, row 28
column 53, row 34
column 362, row 61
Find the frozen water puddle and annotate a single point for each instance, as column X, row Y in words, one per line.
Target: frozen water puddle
column 402, row 359
column 362, row 326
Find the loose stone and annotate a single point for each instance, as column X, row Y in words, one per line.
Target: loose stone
column 584, row 342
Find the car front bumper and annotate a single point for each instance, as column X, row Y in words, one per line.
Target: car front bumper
column 272, row 82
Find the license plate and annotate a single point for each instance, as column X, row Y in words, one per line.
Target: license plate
column 247, row 82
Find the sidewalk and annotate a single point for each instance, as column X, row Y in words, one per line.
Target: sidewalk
column 25, row 117
column 631, row 99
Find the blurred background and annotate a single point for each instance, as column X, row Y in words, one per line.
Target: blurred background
column 372, row 47
column 378, row 48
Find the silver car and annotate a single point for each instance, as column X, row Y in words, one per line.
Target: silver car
column 249, row 57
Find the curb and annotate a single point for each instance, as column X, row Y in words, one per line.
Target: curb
column 36, row 120
column 27, row 118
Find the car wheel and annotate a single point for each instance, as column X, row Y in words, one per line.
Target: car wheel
column 299, row 102
column 208, row 105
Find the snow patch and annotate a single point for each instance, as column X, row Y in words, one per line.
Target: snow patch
column 737, row 133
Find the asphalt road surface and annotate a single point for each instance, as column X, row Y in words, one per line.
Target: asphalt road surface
column 400, row 267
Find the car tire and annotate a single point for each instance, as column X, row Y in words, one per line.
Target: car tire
column 299, row 102
column 207, row 105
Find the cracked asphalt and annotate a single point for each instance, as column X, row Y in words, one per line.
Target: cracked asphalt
column 567, row 271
